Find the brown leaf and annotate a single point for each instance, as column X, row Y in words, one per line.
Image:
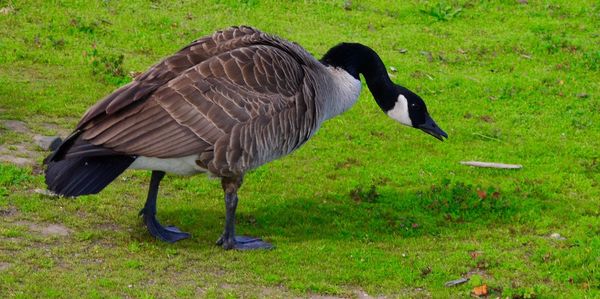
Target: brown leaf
column 348, row 5
column 482, row 194
column 582, row 95
column 475, row 254
column 425, row 271
column 486, row 118
column 6, row 10
column 481, row 290
column 134, row 74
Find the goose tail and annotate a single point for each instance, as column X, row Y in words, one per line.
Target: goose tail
column 79, row 168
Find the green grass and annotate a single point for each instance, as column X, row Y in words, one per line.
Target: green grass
column 366, row 205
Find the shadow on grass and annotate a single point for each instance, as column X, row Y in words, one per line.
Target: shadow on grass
column 374, row 215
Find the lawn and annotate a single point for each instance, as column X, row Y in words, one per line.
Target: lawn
column 367, row 207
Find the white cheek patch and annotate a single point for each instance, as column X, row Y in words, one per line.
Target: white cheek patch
column 400, row 111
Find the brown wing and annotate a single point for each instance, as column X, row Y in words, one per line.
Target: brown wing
column 171, row 67
column 236, row 109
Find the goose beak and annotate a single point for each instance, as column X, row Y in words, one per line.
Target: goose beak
column 431, row 128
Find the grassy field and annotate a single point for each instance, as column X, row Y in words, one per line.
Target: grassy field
column 365, row 207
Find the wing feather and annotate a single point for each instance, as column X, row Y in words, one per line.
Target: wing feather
column 236, row 99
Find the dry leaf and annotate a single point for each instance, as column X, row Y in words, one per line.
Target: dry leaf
column 475, row 254
column 482, row 194
column 481, row 290
column 6, row 10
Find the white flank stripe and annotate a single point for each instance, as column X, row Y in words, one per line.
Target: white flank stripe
column 181, row 166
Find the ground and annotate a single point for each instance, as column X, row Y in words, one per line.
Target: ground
column 367, row 207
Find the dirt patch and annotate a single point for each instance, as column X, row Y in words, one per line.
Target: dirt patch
column 16, row 160
column 8, row 212
column 107, row 226
column 55, row 230
column 4, row 266
column 360, row 294
column 56, row 129
column 317, row 296
column 16, row 126
column 348, row 163
column 273, row 292
column 20, row 150
column 27, row 153
column 478, row 271
column 486, row 118
column 46, row 229
column 17, row 154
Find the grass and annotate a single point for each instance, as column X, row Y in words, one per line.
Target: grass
column 366, row 205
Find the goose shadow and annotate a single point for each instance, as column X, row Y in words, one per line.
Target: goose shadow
column 389, row 214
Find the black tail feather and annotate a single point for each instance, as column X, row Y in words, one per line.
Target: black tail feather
column 59, row 153
column 78, row 167
column 85, row 175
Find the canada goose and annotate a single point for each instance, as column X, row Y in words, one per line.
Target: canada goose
column 223, row 105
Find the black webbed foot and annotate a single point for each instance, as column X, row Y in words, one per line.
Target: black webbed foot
column 244, row 243
column 169, row 234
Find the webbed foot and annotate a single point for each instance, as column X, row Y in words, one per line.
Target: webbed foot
column 169, row 234
column 244, row 243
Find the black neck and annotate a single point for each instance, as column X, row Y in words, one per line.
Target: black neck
column 359, row 59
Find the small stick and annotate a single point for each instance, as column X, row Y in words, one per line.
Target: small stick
column 491, row 165
column 452, row 283
column 487, row 137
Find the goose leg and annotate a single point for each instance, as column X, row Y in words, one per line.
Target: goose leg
column 169, row 234
column 228, row 239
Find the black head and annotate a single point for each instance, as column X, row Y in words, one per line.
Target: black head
column 409, row 109
column 396, row 101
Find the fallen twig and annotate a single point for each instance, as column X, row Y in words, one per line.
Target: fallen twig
column 491, row 165
column 452, row 283
column 487, row 137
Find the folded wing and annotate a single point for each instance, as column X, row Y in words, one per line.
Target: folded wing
column 237, row 99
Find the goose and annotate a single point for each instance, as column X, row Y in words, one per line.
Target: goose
column 223, row 105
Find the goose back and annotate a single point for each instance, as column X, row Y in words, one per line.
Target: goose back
column 237, row 100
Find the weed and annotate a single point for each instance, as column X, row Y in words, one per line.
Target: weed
column 109, row 67
column 591, row 166
column 462, row 202
column 84, row 27
column 442, row 11
column 57, row 43
column 554, row 43
column 359, row 195
column 11, row 177
column 591, row 60
column 520, row 293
